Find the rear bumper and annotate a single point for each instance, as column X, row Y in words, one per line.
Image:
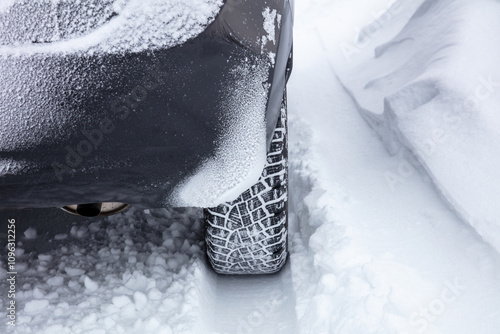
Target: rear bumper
column 186, row 126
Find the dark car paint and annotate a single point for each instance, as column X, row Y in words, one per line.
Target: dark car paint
column 158, row 114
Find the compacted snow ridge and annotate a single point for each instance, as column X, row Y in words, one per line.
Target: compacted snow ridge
column 385, row 236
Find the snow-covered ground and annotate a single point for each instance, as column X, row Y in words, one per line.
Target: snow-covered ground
column 375, row 246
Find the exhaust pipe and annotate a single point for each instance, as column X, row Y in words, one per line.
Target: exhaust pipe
column 95, row 209
column 89, row 210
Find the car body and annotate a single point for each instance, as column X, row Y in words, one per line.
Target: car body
column 182, row 118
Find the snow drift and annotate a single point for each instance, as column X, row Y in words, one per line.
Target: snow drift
column 429, row 83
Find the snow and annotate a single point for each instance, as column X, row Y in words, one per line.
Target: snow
column 375, row 246
column 84, row 284
column 6, row 5
column 9, row 166
column 90, row 285
column 269, row 25
column 368, row 257
column 425, row 91
column 55, row 281
column 270, row 20
column 35, row 306
column 74, row 271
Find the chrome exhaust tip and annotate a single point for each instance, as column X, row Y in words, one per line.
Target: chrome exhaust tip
column 95, row 209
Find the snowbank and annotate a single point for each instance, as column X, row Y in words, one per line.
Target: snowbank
column 367, row 257
column 428, row 81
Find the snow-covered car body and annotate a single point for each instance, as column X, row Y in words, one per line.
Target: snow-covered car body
column 150, row 103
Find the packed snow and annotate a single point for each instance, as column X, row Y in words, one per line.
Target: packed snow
column 271, row 20
column 379, row 242
column 429, row 84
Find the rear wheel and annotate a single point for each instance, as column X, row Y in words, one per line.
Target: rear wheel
column 249, row 235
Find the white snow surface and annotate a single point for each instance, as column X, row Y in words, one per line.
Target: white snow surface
column 101, row 26
column 271, row 18
column 429, row 83
column 366, row 255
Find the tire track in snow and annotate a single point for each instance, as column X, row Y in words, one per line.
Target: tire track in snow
column 255, row 304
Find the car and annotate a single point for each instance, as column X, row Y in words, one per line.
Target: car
column 152, row 103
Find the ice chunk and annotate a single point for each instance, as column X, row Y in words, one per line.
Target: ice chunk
column 140, row 300
column 9, row 166
column 30, row 233
column 90, row 285
column 79, row 231
column 136, row 282
column 61, row 236
column 74, row 271
column 56, row 281
column 19, row 251
column 121, row 301
column 36, row 306
column 155, row 294
column 45, row 257
column 38, row 293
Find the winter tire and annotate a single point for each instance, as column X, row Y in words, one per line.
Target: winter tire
column 249, row 235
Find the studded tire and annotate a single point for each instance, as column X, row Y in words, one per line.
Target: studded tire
column 249, row 235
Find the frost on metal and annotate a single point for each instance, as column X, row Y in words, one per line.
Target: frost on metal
column 241, row 153
column 32, row 32
column 12, row 167
column 101, row 25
